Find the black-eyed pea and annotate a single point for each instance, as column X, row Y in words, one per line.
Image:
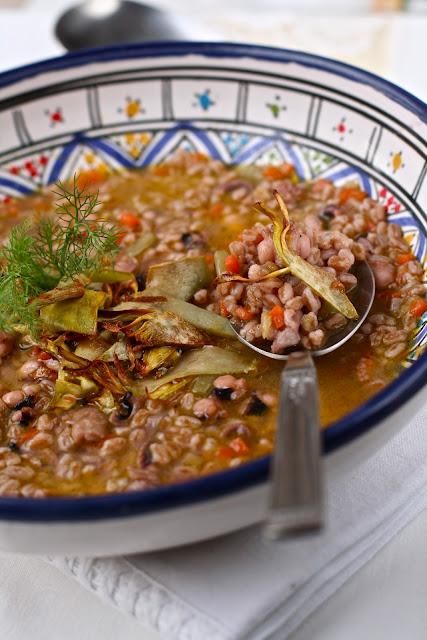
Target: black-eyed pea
column 28, row 369
column 12, row 398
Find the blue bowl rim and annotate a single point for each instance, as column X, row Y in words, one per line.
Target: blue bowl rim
column 221, row 484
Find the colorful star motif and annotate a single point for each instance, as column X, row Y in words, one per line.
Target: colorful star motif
column 32, row 167
column 396, row 161
column 204, row 100
column 90, row 157
column 134, row 143
column 94, row 163
column 389, row 201
column 276, row 107
column 55, row 117
column 234, row 141
column 342, row 129
column 318, row 161
column 132, row 108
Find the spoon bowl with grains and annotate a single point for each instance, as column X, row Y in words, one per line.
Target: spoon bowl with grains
column 296, row 479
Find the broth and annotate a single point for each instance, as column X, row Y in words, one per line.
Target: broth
column 189, row 206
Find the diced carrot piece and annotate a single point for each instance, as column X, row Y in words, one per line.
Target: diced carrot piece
column 90, row 177
column 232, row 264
column 223, row 309
column 418, row 307
column 216, row 209
column 239, row 446
column 403, row 258
column 198, row 155
column 277, row 316
column 226, row 452
column 209, row 257
column 160, row 170
column 244, row 314
column 272, row 172
column 130, row 220
column 347, row 193
column 28, row 434
column 119, row 237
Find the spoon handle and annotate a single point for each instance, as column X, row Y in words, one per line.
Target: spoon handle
column 296, row 482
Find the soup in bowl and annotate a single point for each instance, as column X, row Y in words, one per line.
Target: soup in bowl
column 142, row 214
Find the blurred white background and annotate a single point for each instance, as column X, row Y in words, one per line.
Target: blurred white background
column 390, row 42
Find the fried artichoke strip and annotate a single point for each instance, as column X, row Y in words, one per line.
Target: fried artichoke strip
column 209, row 360
column 163, row 328
column 170, row 389
column 180, row 278
column 157, row 357
column 102, row 373
column 66, row 290
column 202, row 319
column 78, row 315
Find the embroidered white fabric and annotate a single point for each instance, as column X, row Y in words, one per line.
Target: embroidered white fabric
column 242, row 587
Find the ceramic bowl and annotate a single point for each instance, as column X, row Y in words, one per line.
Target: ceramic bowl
column 135, row 105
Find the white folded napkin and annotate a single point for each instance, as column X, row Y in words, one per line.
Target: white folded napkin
column 242, row 587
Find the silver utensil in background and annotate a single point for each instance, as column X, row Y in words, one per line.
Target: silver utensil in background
column 96, row 23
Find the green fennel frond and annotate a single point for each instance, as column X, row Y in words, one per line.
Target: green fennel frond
column 36, row 258
column 77, row 243
column 15, row 308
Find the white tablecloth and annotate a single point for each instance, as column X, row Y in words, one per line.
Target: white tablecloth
column 386, row 599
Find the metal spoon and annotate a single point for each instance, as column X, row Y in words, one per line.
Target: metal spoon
column 97, row 23
column 296, row 487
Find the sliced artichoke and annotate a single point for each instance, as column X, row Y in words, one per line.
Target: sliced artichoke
column 163, row 328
